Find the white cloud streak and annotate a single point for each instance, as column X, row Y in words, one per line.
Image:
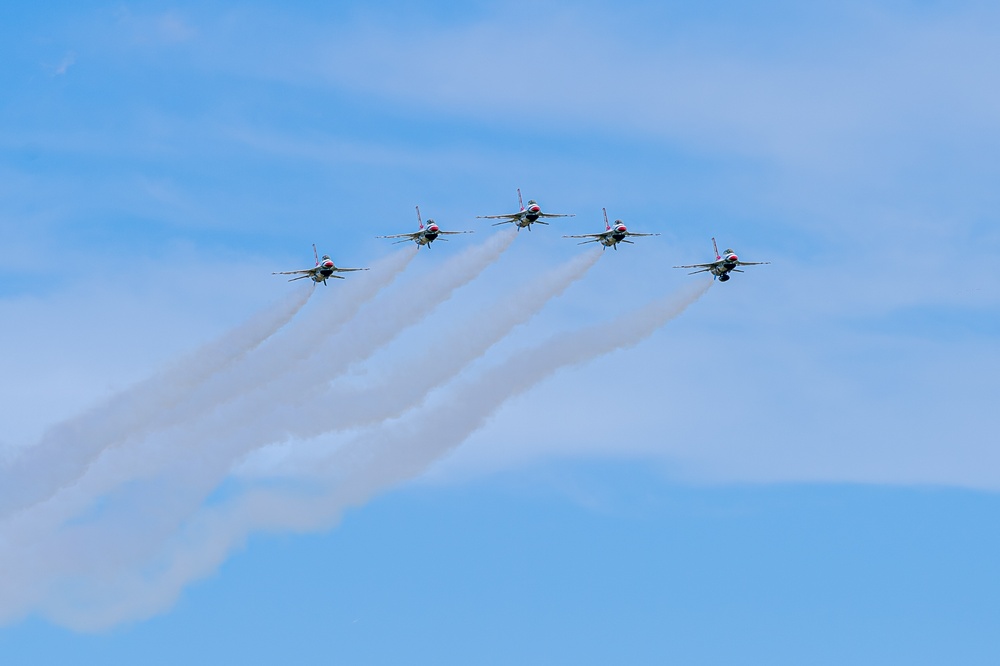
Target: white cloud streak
column 68, row 61
column 863, row 76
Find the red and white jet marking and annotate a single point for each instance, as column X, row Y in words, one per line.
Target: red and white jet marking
column 612, row 235
column 426, row 235
column 525, row 217
column 323, row 270
column 723, row 264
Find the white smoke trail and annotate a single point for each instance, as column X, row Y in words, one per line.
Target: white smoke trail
column 372, row 462
column 66, row 449
column 300, row 364
column 194, row 456
column 227, row 416
column 403, row 448
column 377, row 326
column 285, row 354
column 178, row 394
column 410, row 381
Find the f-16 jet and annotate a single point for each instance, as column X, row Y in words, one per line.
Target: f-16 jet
column 524, row 217
column 323, row 270
column 723, row 264
column 612, row 235
column 426, row 235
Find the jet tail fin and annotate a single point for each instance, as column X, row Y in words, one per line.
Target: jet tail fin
column 717, row 255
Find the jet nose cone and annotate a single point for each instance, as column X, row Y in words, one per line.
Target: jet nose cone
column 327, row 264
column 534, row 209
column 433, row 228
column 732, row 258
column 621, row 228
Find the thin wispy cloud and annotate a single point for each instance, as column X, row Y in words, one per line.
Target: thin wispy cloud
column 154, row 29
column 68, row 61
column 725, row 94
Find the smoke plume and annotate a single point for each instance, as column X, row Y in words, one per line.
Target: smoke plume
column 117, row 532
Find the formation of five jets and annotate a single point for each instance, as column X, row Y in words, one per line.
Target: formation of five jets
column 524, row 218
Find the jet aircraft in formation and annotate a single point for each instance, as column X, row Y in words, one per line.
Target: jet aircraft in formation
column 525, row 217
column 723, row 265
column 612, row 235
column 321, row 272
column 426, row 235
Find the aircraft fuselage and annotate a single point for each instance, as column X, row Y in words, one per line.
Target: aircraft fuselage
column 427, row 236
column 528, row 216
column 617, row 234
column 724, row 266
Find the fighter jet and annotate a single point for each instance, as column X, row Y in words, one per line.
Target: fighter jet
column 524, row 217
column 723, row 264
column 612, row 235
column 426, row 235
column 321, row 272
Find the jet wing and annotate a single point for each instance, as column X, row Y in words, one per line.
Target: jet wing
column 593, row 238
column 751, row 263
column 512, row 216
column 702, row 268
column 346, row 270
column 556, row 215
column 411, row 235
column 632, row 233
column 308, row 274
column 449, row 233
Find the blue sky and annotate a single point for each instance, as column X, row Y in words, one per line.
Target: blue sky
column 795, row 465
